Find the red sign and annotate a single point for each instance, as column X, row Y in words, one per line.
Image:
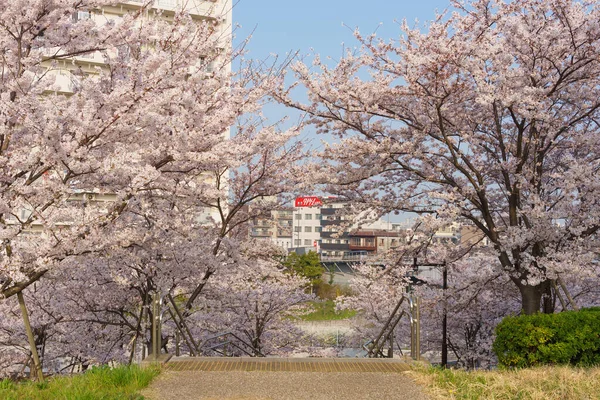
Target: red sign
column 309, row 201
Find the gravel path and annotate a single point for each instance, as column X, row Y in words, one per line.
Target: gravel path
column 255, row 385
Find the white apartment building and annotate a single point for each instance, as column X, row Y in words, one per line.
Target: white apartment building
column 307, row 227
column 67, row 70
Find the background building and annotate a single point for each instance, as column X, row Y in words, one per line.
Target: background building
column 274, row 226
column 68, row 71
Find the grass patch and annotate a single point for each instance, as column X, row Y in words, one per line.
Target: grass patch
column 325, row 311
column 543, row 383
column 98, row 383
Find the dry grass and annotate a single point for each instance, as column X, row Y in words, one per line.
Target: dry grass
column 544, row 383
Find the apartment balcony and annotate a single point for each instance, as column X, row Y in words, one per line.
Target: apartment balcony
column 325, row 222
column 202, row 8
column 363, row 247
column 260, row 233
column 285, row 215
column 334, row 246
column 333, row 235
column 363, row 244
column 261, row 224
column 284, row 233
column 349, row 257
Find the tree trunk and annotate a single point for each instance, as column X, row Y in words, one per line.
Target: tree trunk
column 531, row 297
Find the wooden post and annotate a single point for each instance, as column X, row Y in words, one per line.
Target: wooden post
column 412, row 330
column 32, row 346
column 156, row 331
column 391, row 349
column 417, row 329
column 445, row 320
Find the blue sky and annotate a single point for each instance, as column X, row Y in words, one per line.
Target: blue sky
column 283, row 25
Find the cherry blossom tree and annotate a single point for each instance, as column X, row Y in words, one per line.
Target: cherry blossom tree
column 375, row 293
column 256, row 305
column 122, row 179
column 489, row 117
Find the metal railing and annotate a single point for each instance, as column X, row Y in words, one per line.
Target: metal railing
column 241, row 345
column 217, row 343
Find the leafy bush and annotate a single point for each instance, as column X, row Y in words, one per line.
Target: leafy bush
column 306, row 265
column 571, row 337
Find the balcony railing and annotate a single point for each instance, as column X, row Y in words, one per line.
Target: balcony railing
column 350, row 256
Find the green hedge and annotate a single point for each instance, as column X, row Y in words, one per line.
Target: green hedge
column 571, row 337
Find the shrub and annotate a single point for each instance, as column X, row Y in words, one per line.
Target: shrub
column 571, row 337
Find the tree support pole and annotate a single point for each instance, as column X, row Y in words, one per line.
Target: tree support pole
column 562, row 301
column 564, row 288
column 32, row 346
column 183, row 323
column 137, row 331
column 177, row 333
column 376, row 344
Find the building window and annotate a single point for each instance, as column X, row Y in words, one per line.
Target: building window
column 297, row 216
column 297, row 229
column 307, row 216
column 318, row 229
column 307, row 229
column 297, row 242
column 80, row 16
column 317, row 216
column 337, row 241
column 308, row 242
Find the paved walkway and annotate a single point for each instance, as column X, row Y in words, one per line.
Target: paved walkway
column 278, row 378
